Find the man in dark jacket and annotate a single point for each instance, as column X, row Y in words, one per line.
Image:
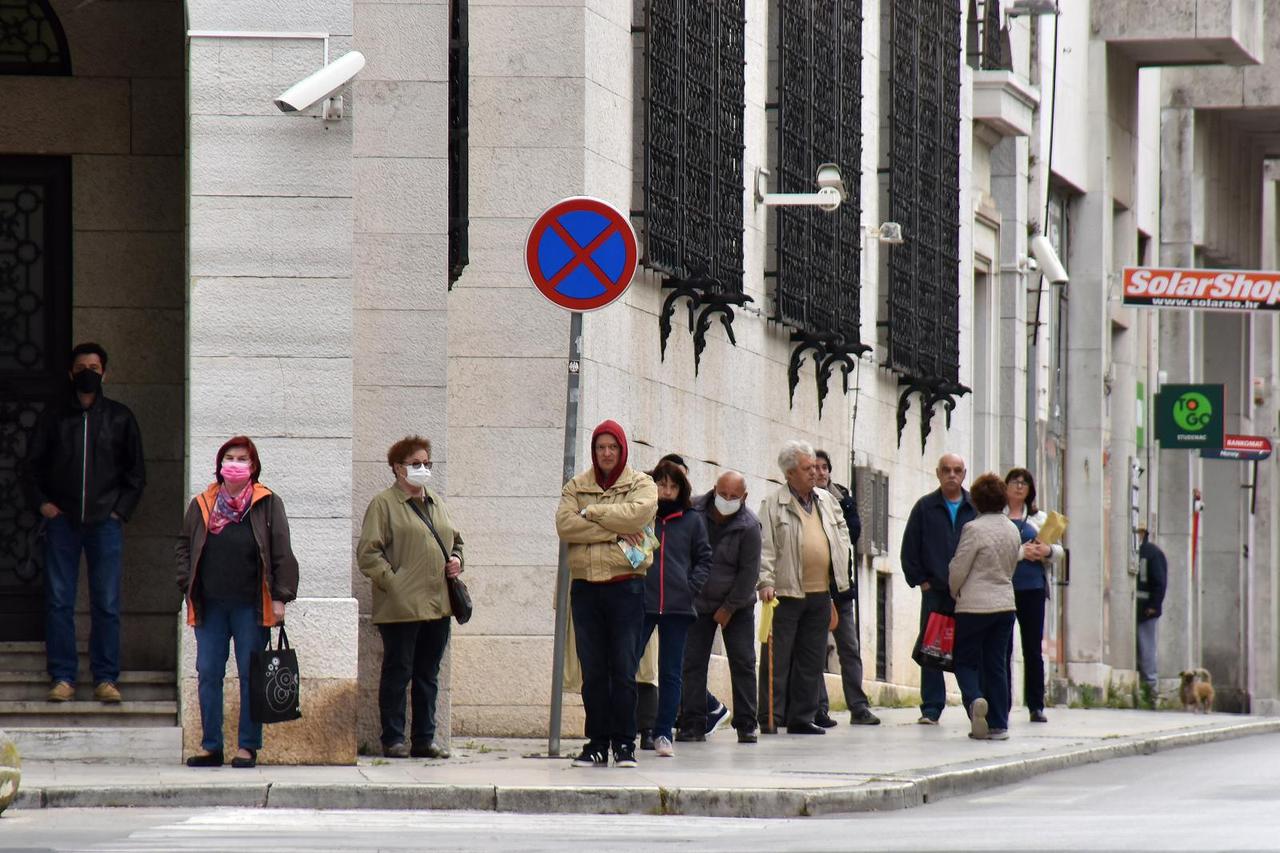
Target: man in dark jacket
column 1153, row 578
column 85, row 474
column 848, row 644
column 928, row 544
column 727, row 601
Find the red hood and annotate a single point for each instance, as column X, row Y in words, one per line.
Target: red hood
column 614, row 429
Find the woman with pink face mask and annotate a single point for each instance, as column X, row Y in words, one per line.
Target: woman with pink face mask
column 237, row 571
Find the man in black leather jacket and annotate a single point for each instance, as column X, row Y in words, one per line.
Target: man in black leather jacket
column 85, row 474
column 848, row 645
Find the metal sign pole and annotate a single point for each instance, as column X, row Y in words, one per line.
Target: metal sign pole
column 562, row 575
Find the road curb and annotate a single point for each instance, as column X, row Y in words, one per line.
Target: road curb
column 878, row 794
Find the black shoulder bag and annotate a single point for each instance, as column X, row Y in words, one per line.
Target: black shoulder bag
column 459, row 596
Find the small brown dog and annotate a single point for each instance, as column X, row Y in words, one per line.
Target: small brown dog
column 1197, row 690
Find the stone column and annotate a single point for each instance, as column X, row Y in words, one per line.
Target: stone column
column 1087, row 350
column 1178, row 340
column 401, row 257
column 1225, row 522
column 1264, row 638
column 1123, row 446
column 270, row 335
column 507, row 348
column 1009, row 187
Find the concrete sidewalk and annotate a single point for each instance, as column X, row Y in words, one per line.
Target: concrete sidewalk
column 896, row 765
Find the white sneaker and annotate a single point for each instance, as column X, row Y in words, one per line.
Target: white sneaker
column 978, row 724
column 663, row 747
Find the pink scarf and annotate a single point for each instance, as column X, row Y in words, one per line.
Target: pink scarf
column 229, row 509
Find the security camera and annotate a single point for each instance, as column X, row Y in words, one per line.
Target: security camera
column 829, row 178
column 322, row 84
column 1044, row 254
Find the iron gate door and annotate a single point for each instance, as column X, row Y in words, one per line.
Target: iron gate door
column 35, row 336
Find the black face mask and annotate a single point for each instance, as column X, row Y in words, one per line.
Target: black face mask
column 87, row 382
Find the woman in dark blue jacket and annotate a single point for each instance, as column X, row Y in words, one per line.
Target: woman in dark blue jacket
column 680, row 566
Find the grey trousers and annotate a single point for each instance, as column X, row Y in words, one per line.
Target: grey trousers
column 849, row 650
column 799, row 646
column 1147, row 651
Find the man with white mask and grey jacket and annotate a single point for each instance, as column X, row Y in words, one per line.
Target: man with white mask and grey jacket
column 726, row 601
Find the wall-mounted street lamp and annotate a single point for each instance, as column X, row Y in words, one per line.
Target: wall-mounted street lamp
column 888, row 232
column 831, row 192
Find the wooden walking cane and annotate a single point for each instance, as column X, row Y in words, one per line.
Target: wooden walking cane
column 769, row 643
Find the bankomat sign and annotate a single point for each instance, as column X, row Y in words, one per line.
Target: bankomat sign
column 1210, row 290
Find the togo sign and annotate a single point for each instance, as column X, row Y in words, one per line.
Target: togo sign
column 1189, row 416
column 1213, row 290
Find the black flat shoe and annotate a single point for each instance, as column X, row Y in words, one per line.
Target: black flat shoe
column 805, row 729
column 251, row 761
column 825, row 721
column 209, row 759
column 1039, row 717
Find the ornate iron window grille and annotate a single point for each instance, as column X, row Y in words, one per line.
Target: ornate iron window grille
column 924, row 196
column 987, row 39
column 31, row 39
column 820, row 121
column 459, row 139
column 695, row 98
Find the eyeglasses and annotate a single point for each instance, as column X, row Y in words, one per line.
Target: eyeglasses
column 413, row 463
column 1023, row 483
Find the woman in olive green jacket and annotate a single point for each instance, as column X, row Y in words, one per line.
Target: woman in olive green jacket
column 408, row 566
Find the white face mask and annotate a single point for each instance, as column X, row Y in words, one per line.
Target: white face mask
column 725, row 507
column 417, row 475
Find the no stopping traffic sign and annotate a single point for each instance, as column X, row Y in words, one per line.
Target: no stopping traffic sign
column 581, row 253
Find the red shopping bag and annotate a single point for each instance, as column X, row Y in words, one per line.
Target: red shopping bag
column 936, row 647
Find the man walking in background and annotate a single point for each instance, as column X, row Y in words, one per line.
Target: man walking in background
column 1153, row 577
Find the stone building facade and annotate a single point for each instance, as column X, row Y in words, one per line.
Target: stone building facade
column 327, row 286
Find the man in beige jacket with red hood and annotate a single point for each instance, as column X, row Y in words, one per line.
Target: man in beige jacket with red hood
column 601, row 510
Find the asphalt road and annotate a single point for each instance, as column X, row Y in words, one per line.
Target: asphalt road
column 1214, row 797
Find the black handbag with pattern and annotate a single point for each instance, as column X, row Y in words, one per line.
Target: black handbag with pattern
column 274, row 689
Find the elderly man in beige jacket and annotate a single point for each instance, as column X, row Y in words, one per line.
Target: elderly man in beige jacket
column 804, row 543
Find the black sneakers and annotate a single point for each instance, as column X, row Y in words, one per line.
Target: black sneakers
column 716, row 717
column 646, row 739
column 624, row 755
column 593, row 756
column 689, row 736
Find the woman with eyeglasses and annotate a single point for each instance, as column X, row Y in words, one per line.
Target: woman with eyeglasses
column 408, row 547
column 1030, row 586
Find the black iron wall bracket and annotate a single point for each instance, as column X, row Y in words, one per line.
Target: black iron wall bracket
column 931, row 393
column 704, row 301
column 830, row 351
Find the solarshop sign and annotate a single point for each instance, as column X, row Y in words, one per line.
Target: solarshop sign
column 1208, row 290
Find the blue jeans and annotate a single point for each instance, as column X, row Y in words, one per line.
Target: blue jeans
column 607, row 621
column 933, row 688
column 982, row 662
column 101, row 544
column 672, row 630
column 223, row 621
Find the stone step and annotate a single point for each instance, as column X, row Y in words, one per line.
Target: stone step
column 132, row 745
column 135, row 685
column 90, row 714
column 29, row 656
